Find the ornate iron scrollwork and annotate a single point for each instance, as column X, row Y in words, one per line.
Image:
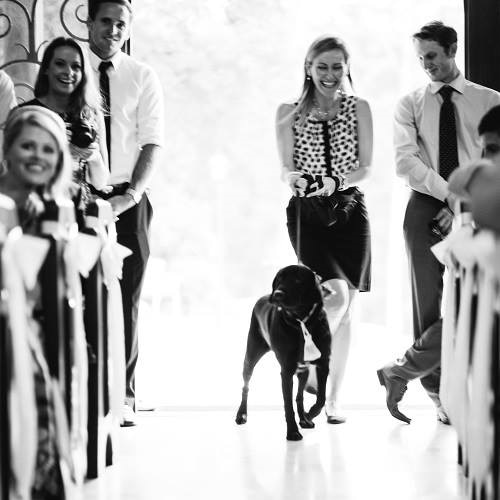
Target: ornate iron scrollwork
column 31, row 51
column 72, row 16
column 77, row 14
column 22, row 57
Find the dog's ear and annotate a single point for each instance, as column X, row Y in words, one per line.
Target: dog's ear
column 276, row 280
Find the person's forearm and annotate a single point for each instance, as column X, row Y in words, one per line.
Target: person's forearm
column 356, row 176
column 98, row 172
column 144, row 167
column 413, row 164
column 421, row 177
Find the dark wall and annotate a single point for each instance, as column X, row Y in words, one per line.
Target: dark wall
column 482, row 42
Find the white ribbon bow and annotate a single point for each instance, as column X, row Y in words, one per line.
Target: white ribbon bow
column 311, row 352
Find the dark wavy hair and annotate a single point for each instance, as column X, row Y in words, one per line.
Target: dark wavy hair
column 85, row 99
column 322, row 44
column 438, row 32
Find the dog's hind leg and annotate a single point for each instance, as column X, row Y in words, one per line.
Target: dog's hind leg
column 322, row 375
column 256, row 348
column 302, row 374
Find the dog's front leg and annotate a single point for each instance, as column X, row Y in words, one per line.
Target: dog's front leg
column 248, row 366
column 292, row 431
column 256, row 348
column 322, row 375
column 304, row 421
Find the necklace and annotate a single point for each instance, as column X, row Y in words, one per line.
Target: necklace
column 324, row 114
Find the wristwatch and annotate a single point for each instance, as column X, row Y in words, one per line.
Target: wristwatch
column 136, row 196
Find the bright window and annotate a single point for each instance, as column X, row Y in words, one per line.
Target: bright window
column 219, row 232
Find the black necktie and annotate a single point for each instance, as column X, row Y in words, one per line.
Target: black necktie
column 104, row 85
column 448, row 151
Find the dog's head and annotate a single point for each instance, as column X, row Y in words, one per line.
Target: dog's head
column 296, row 289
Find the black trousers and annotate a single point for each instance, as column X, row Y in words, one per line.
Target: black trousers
column 132, row 230
column 423, row 359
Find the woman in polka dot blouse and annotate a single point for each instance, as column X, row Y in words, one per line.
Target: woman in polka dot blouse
column 325, row 144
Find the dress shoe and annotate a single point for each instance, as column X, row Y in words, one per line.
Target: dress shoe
column 333, row 416
column 128, row 416
column 395, row 388
column 145, row 406
column 442, row 416
column 335, row 419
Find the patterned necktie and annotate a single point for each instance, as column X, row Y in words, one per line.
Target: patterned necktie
column 448, row 151
column 104, row 85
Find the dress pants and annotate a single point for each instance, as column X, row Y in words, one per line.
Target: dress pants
column 132, row 230
column 422, row 360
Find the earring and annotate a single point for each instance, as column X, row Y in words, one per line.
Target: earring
column 4, row 167
column 308, row 78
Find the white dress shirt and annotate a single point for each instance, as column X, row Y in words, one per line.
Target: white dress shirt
column 416, row 132
column 136, row 111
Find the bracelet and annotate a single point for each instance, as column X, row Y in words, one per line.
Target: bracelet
column 341, row 182
column 134, row 194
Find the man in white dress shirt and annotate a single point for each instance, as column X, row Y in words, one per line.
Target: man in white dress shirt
column 435, row 130
column 135, row 136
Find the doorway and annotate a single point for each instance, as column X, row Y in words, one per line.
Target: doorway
column 219, row 232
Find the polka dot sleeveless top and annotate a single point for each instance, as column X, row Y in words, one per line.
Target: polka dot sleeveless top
column 328, row 147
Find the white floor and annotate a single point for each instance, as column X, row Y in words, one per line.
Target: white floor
column 204, row 455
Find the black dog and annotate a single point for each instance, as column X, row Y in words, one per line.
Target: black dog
column 276, row 325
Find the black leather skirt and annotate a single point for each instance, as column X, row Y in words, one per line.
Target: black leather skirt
column 341, row 251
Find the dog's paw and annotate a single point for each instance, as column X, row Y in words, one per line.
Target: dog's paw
column 293, row 436
column 306, row 424
column 314, row 411
column 241, row 418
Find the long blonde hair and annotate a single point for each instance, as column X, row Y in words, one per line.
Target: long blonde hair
column 322, row 44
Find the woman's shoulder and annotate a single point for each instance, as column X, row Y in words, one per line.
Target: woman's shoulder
column 355, row 99
column 32, row 102
column 286, row 107
column 360, row 101
column 285, row 112
column 362, row 106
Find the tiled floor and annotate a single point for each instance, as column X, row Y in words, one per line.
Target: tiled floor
column 204, row 455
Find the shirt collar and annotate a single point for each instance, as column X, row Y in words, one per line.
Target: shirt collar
column 95, row 60
column 458, row 84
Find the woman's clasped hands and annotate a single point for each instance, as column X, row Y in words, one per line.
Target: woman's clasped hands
column 312, row 185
